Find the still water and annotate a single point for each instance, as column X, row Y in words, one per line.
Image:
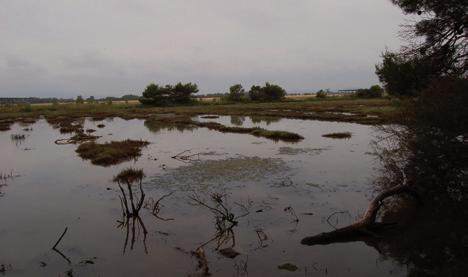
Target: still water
column 280, row 192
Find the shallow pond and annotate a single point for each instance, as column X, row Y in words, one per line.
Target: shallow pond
column 278, row 193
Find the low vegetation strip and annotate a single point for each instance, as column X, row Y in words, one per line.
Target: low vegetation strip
column 341, row 135
column 111, row 153
column 254, row 131
column 364, row 111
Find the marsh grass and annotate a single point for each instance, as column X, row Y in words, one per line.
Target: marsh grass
column 340, row 135
column 111, row 153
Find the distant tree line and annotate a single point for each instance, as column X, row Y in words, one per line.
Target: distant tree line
column 78, row 99
column 159, row 95
column 268, row 92
column 167, row 95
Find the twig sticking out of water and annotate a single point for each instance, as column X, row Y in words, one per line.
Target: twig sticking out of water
column 54, row 248
column 61, row 237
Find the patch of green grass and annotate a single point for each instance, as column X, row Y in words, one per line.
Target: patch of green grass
column 341, row 135
column 111, row 153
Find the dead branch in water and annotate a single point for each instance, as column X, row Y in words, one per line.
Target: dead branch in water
column 54, row 248
column 225, row 220
column 155, row 206
column 186, row 158
column 366, row 226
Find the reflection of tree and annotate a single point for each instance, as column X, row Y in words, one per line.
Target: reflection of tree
column 237, row 120
column 131, row 205
column 432, row 240
column 429, row 238
column 267, row 119
column 156, row 126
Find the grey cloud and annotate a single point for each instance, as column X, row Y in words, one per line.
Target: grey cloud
column 113, row 47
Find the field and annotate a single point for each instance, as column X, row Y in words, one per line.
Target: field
column 342, row 109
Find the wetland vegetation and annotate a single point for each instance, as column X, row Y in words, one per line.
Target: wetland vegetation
column 111, row 153
column 255, row 184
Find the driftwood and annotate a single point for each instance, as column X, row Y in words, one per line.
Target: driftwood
column 366, row 226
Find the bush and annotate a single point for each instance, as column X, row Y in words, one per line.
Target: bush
column 25, row 107
column 321, row 94
column 373, row 92
column 269, row 92
column 168, row 94
column 79, row 100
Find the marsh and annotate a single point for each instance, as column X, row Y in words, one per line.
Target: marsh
column 257, row 176
column 278, row 191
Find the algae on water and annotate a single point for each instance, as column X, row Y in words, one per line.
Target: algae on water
column 215, row 172
column 296, row 151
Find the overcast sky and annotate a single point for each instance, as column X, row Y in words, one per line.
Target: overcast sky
column 64, row 48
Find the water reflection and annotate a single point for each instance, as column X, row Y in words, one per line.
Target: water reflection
column 157, row 126
column 18, row 139
column 237, row 120
column 317, row 185
column 265, row 119
column 431, row 238
column 131, row 205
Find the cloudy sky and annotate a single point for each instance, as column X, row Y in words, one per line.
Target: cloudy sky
column 65, row 48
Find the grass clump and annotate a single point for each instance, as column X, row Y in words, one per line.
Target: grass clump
column 340, row 135
column 276, row 135
column 129, row 175
column 111, row 153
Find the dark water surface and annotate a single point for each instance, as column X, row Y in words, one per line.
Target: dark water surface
column 271, row 182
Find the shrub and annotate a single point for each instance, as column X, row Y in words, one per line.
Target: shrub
column 269, row 92
column 373, row 92
column 25, row 107
column 321, row 94
column 79, row 99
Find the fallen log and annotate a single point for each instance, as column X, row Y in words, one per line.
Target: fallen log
column 366, row 226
